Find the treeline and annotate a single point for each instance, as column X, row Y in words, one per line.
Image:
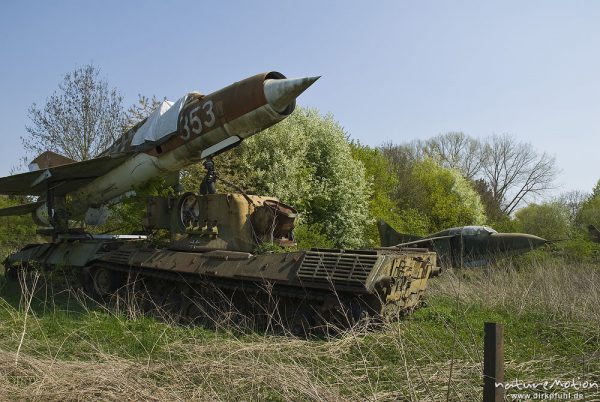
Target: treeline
column 340, row 186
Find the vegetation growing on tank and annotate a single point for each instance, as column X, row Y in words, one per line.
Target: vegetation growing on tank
column 269, row 248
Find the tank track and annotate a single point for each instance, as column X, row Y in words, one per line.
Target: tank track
column 314, row 291
column 228, row 303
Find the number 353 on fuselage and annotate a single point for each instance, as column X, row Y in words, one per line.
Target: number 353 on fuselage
column 174, row 136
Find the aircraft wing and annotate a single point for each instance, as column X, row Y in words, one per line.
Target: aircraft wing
column 61, row 179
column 426, row 242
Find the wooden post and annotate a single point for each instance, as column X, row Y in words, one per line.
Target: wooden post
column 493, row 362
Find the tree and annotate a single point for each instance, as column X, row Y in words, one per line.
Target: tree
column 429, row 197
column 596, row 189
column 515, row 171
column 79, row 120
column 548, row 220
column 402, row 157
column 383, row 182
column 492, row 206
column 140, row 110
column 305, row 161
column 573, row 201
column 512, row 172
column 588, row 214
column 443, row 195
column 456, row 150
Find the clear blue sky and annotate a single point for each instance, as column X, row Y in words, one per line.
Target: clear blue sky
column 393, row 70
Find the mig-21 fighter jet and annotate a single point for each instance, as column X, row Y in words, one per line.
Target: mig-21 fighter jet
column 194, row 128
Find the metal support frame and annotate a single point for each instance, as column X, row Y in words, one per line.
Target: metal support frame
column 57, row 213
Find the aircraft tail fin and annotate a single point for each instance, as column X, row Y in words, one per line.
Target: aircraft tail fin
column 47, row 160
column 390, row 237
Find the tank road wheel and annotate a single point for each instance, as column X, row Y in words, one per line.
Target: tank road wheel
column 102, row 282
column 202, row 306
column 174, row 302
column 11, row 273
column 339, row 315
column 303, row 322
column 192, row 311
column 154, row 297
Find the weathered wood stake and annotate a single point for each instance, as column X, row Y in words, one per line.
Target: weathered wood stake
column 493, row 362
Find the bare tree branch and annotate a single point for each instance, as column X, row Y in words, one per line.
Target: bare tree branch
column 456, row 150
column 140, row 110
column 573, row 201
column 515, row 171
column 79, row 120
column 512, row 172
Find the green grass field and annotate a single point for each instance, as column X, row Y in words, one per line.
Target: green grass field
column 65, row 347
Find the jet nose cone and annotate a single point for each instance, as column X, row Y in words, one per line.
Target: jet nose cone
column 282, row 93
column 517, row 241
column 535, row 241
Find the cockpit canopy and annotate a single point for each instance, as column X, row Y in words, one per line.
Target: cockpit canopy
column 467, row 231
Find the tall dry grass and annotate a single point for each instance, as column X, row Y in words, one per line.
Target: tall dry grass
column 434, row 355
column 554, row 287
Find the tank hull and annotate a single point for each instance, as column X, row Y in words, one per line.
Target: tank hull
column 306, row 289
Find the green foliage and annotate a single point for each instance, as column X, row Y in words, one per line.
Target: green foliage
column 127, row 215
column 548, row 220
column 383, row 181
column 589, row 213
column 311, row 235
column 504, row 224
column 305, row 161
column 421, row 199
column 15, row 231
column 552, row 220
column 511, row 171
column 268, row 247
column 579, row 249
column 573, row 201
column 413, row 221
column 443, row 196
column 596, row 189
column 493, row 210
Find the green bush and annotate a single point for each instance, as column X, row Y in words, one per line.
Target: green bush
column 15, row 231
column 306, row 161
column 442, row 195
column 548, row 220
column 311, row 235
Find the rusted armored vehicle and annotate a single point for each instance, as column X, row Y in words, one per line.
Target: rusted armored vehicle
column 210, row 271
column 215, row 262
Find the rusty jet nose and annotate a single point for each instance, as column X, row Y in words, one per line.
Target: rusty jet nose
column 281, row 93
